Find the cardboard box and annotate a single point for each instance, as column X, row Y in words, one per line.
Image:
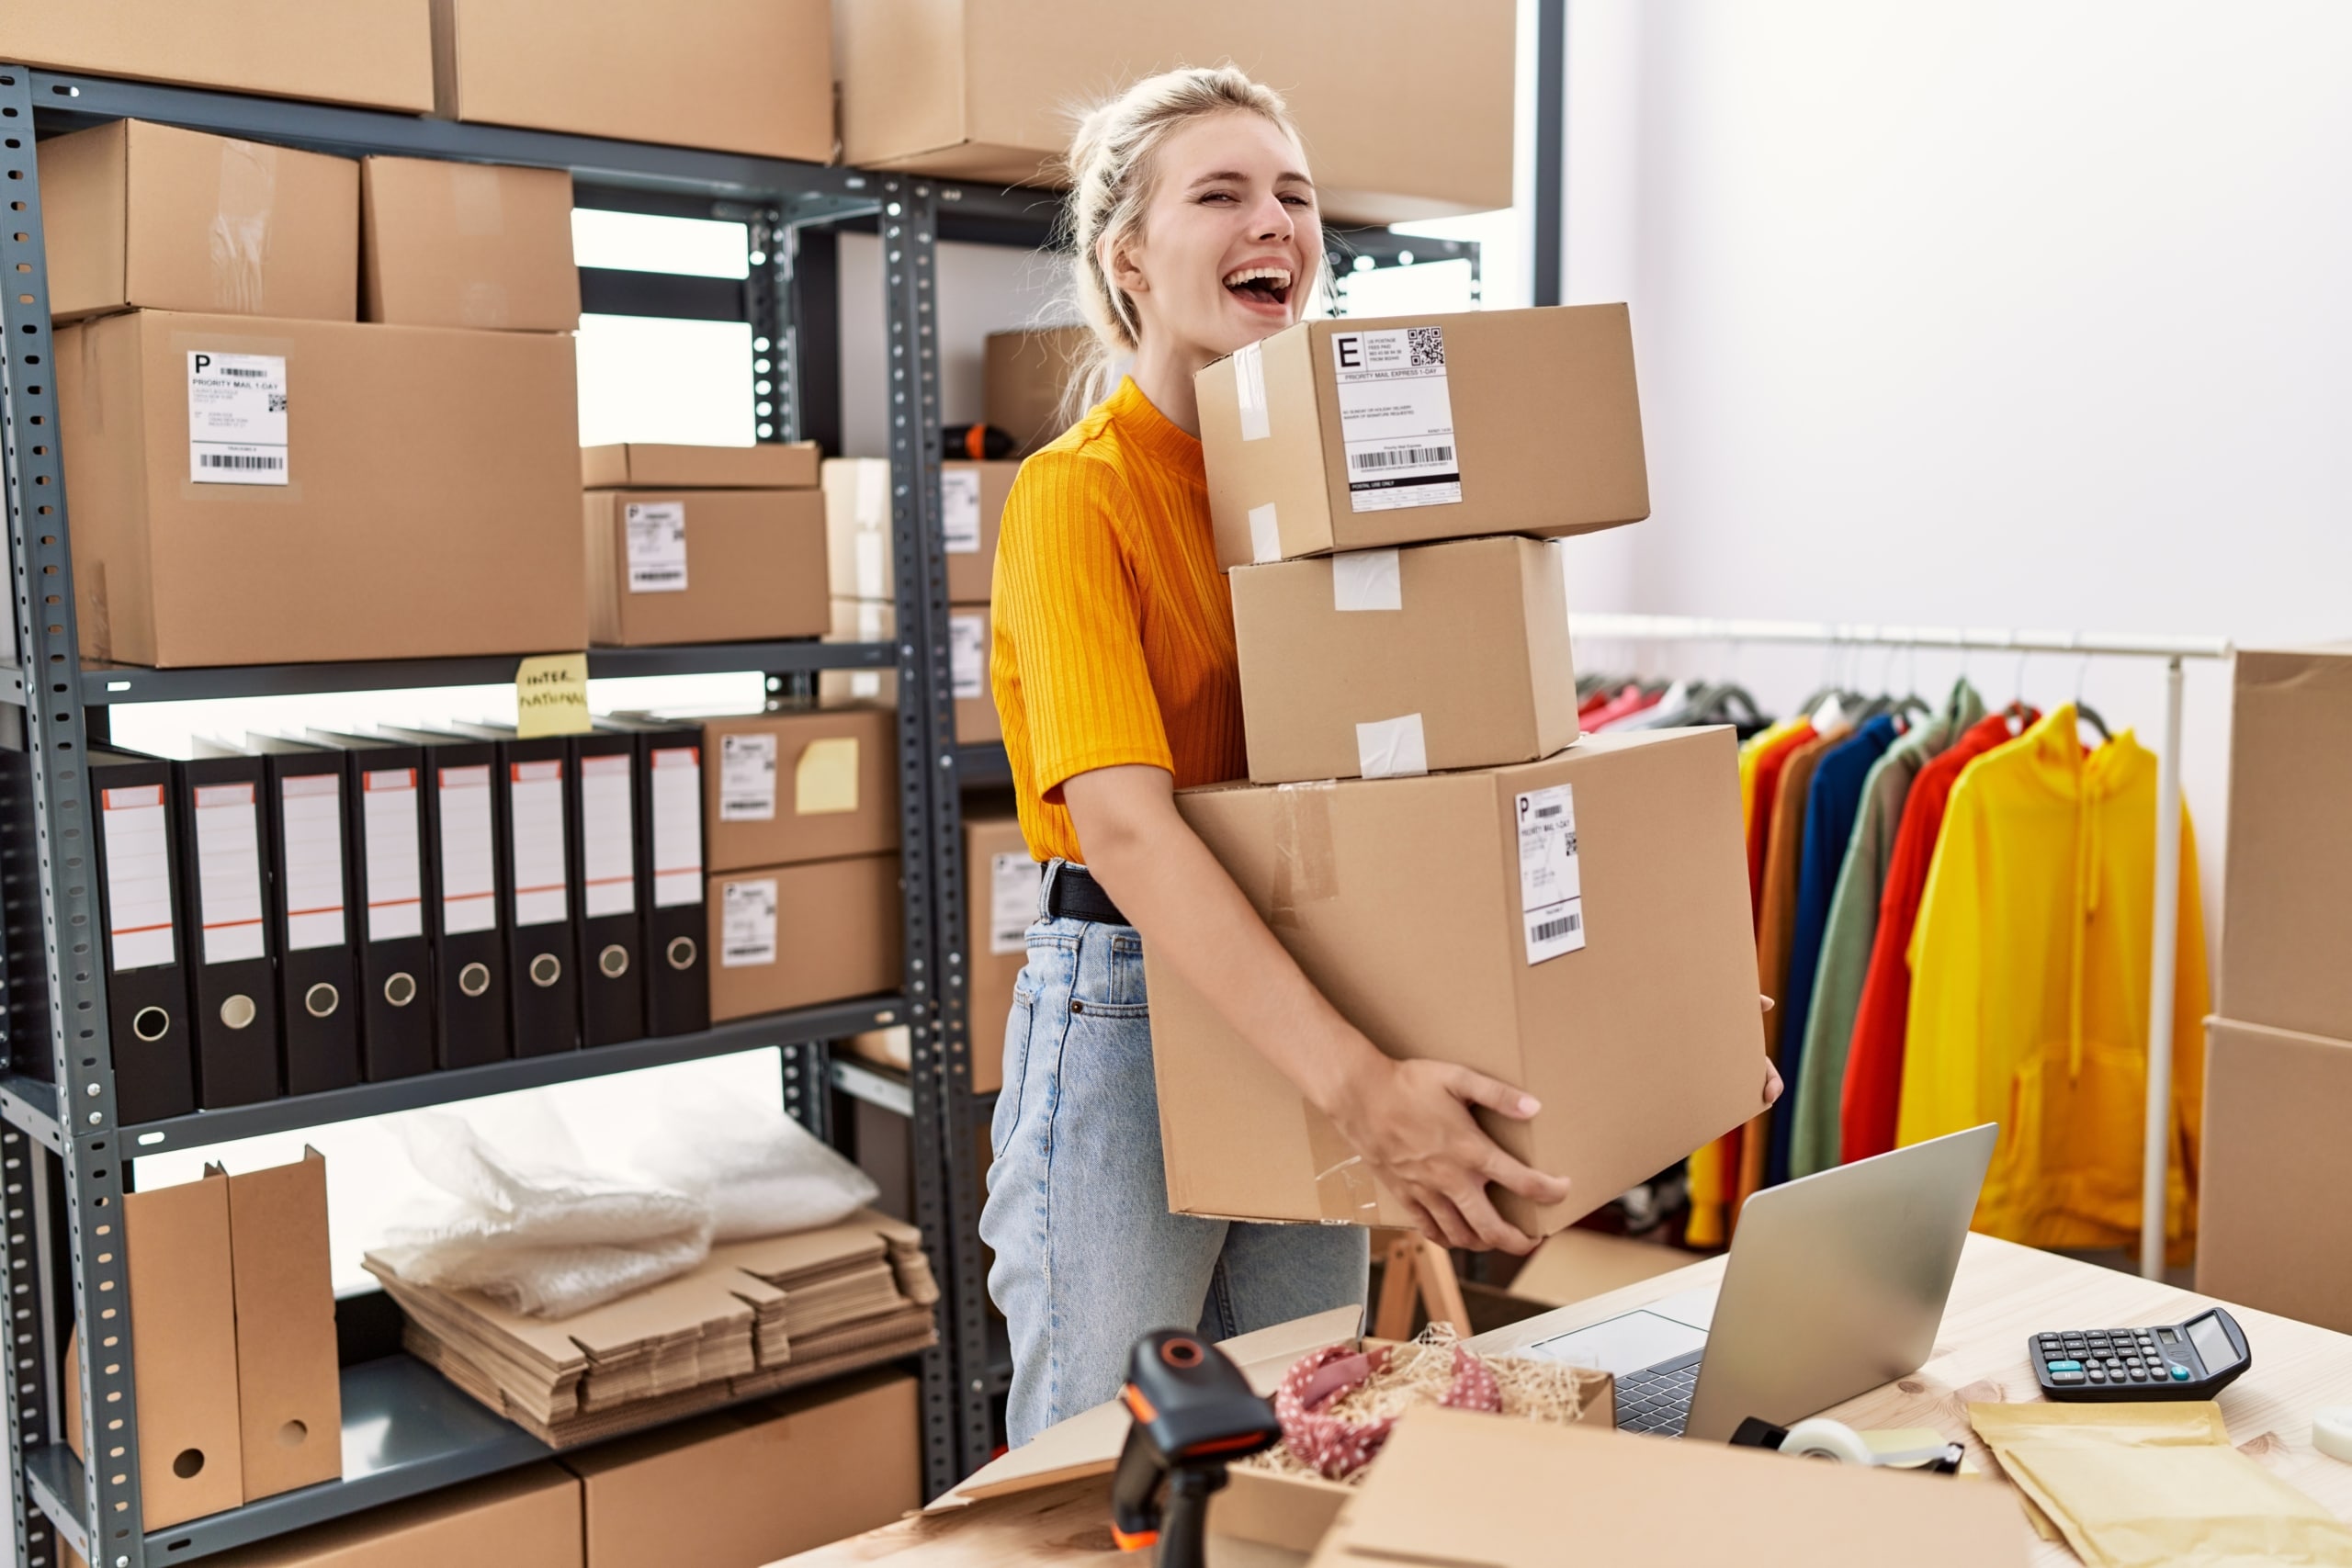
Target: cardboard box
column 859, row 620
column 748, row 1486
column 857, row 528
column 448, row 245
column 1383, row 662
column 969, row 646
column 184, row 1373
column 154, row 217
column 2272, row 1232
column 671, row 565
column 781, row 788
column 1577, row 927
column 1458, row 1486
column 971, row 504
column 424, row 502
column 289, row 1388
column 1000, row 903
column 734, row 75
column 1576, row 1264
column 793, row 936
column 379, row 54
column 1026, row 378
column 637, row 464
column 2286, row 919
column 1402, row 117
column 1359, row 435
column 523, row 1518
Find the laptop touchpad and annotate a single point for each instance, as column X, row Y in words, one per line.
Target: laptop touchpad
column 1625, row 1344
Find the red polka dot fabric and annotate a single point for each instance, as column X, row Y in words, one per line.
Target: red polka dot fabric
column 1336, row 1448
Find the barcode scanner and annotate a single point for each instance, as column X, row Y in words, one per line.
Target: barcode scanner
column 1194, row 1414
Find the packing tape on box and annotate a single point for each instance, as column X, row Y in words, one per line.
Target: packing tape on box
column 1305, row 871
column 1265, row 536
column 1392, row 748
column 1343, row 1184
column 1250, row 393
column 1367, row 580
column 239, row 238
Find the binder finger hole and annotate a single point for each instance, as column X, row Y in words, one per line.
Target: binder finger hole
column 401, row 990
column 293, row 1434
column 321, row 999
column 682, row 952
column 545, row 970
column 613, row 962
column 236, row 1013
column 187, row 1462
column 150, row 1024
column 474, row 979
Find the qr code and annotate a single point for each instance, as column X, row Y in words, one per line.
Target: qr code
column 1428, row 345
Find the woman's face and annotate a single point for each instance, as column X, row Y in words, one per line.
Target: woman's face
column 1231, row 242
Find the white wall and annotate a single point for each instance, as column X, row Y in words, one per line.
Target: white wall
column 2003, row 312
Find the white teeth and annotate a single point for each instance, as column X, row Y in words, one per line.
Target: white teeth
column 1278, row 276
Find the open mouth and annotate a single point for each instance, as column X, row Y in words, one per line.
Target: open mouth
column 1260, row 284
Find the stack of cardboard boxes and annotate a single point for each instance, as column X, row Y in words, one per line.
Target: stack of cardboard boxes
column 1459, row 879
column 703, row 544
column 2275, row 1231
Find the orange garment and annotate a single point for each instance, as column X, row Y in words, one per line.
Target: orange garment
column 1114, row 640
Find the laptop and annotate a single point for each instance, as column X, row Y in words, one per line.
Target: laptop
column 1836, row 1284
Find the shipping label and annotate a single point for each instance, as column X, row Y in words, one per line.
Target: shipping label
column 747, row 923
column 236, row 418
column 1013, row 901
column 1551, row 890
column 959, row 509
column 746, row 778
column 657, row 546
column 1396, row 418
column 967, row 656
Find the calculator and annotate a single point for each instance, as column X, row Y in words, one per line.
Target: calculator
column 2194, row 1359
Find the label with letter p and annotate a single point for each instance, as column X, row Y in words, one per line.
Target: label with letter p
column 236, row 418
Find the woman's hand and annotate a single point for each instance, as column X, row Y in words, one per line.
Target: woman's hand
column 1772, row 1070
column 1411, row 1123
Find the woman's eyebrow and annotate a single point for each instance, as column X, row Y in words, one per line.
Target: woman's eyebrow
column 1231, row 176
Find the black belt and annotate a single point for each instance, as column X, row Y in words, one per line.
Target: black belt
column 1074, row 895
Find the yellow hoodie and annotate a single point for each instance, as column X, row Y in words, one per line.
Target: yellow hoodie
column 2030, row 988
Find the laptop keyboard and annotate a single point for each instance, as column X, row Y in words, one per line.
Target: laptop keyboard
column 1658, row 1399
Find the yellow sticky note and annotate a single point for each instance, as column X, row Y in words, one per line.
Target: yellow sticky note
column 551, row 695
column 825, row 779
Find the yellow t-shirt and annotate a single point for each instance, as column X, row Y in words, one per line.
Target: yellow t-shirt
column 1114, row 629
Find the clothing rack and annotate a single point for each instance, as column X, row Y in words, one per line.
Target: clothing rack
column 2156, row 1130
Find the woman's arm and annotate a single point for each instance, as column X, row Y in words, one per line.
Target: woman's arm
column 1409, row 1119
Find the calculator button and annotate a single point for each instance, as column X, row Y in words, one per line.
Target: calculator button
column 2095, row 1375
column 2062, row 1378
column 2066, row 1366
column 2180, row 1374
column 2138, row 1375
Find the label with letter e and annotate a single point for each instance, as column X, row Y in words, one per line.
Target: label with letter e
column 1551, row 891
column 236, row 418
column 1396, row 418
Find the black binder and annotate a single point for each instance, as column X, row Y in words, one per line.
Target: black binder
column 138, row 885
column 224, row 869
column 608, row 883
column 311, row 912
column 463, row 848
column 392, row 898
column 541, row 917
column 669, row 855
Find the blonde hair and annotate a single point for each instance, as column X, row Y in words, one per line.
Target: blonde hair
column 1111, row 169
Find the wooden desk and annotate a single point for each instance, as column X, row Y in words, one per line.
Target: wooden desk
column 2003, row 1293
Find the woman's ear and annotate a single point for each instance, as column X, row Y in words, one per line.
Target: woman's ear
column 1119, row 265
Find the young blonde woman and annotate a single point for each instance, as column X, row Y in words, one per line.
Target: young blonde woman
column 1195, row 232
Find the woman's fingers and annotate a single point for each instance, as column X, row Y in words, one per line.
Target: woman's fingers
column 1478, row 1088
column 1452, row 1229
column 1524, row 1178
column 1424, row 1221
column 1492, row 1229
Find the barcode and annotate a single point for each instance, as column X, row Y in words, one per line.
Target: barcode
column 751, row 952
column 1401, row 457
column 659, row 574
column 236, row 461
column 1551, row 931
column 1544, row 811
column 235, row 370
column 1428, row 345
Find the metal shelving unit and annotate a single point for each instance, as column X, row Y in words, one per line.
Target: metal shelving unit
column 64, row 1159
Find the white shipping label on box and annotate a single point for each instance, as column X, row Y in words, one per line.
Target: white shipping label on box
column 468, row 869
column 607, row 837
column 1013, row 901
column 536, row 849
column 677, row 826
column 967, row 656
column 310, row 810
column 1396, row 418
column 746, row 778
column 228, row 873
column 747, row 923
column 1367, row 580
column 236, row 418
column 393, row 854
column 1551, row 890
column 139, row 876
column 657, row 546
column 959, row 509
column 1250, row 392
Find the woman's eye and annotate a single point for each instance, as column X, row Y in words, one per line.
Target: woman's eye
column 1296, row 201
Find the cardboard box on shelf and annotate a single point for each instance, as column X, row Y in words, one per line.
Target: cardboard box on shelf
column 2286, row 922
column 781, row 788
column 748, row 1486
column 1000, row 895
column 184, row 1369
column 445, row 245
column 971, row 504
column 523, row 1518
column 154, row 217
column 1361, row 434
column 1577, row 927
column 289, row 1388
column 982, row 90
column 859, row 620
column 638, row 465
column 968, row 654
column 419, row 498
column 379, row 55
column 857, row 528
column 793, row 936
column 1382, row 662
column 1025, row 381
column 673, row 566
column 731, row 76
column 2276, row 1103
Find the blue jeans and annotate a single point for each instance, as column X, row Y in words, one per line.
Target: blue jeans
column 1088, row 1257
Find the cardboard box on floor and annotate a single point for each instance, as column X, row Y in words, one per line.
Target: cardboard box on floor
column 1376, row 663
column 154, row 217
column 1000, row 904
column 2286, row 921
column 445, row 245
column 1403, row 119
column 2272, row 1233
column 523, row 1518
column 746, row 1486
column 971, row 504
column 734, row 75
column 968, row 650
column 1456, row 1486
column 673, row 566
column 859, row 620
column 793, row 936
column 1025, row 381
column 1578, row 927
column 429, row 502
column 781, row 788
column 377, row 55
column 1359, row 435
column 638, row 465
